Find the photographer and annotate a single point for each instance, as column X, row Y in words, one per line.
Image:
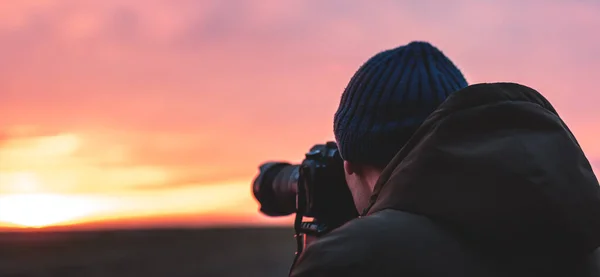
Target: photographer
column 450, row 180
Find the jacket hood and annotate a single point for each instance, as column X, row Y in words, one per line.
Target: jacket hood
column 496, row 165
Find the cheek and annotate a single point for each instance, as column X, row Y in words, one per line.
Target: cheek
column 359, row 192
column 352, row 184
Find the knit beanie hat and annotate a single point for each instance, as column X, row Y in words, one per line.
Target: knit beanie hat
column 389, row 97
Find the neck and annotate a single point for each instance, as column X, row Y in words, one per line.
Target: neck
column 371, row 176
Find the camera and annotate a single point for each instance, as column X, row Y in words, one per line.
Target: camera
column 315, row 188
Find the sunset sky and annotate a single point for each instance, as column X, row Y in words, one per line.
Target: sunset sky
column 112, row 109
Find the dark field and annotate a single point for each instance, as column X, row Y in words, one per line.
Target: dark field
column 187, row 252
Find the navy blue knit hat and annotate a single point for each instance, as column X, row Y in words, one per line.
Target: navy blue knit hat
column 389, row 97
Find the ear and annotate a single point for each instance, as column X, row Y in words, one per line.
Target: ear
column 349, row 167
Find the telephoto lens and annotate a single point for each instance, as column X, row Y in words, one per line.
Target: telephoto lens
column 276, row 188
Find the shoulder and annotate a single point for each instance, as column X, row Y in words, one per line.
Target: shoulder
column 361, row 245
column 338, row 253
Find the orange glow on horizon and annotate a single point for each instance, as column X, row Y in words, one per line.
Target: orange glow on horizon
column 41, row 210
column 61, row 179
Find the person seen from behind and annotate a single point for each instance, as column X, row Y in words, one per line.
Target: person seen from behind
column 456, row 180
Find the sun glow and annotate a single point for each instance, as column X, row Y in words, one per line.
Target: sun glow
column 40, row 210
column 19, row 182
column 75, row 179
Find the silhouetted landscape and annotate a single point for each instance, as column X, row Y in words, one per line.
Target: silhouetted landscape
column 152, row 252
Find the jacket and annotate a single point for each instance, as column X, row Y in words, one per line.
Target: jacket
column 493, row 183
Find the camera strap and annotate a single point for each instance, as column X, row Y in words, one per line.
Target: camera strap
column 298, row 235
column 303, row 228
column 313, row 228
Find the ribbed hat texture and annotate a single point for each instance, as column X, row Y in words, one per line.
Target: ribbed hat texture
column 389, row 97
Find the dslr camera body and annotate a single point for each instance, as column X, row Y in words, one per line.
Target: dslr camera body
column 316, row 188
